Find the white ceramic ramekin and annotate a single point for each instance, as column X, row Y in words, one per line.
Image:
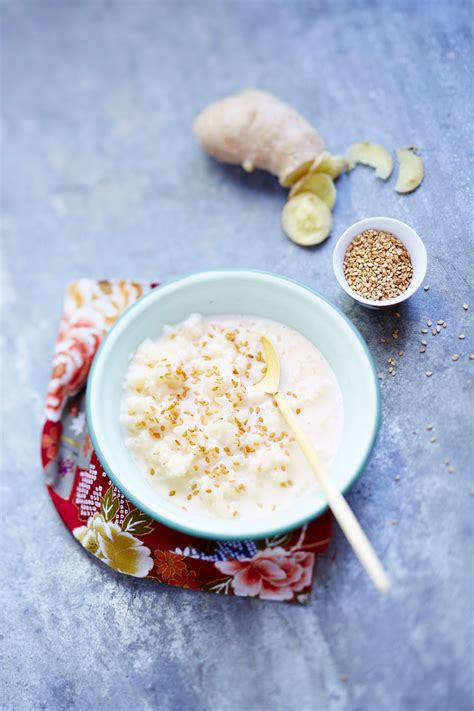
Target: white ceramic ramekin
column 405, row 234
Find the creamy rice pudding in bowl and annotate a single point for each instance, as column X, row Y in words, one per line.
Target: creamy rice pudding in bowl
column 181, row 429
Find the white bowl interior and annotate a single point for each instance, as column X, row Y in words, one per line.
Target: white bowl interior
column 405, row 234
column 236, row 292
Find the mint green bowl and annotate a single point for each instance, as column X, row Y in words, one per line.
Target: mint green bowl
column 234, row 292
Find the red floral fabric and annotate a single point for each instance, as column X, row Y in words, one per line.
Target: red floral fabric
column 110, row 527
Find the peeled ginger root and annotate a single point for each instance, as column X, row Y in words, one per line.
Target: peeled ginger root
column 372, row 154
column 329, row 164
column 410, row 171
column 319, row 184
column 257, row 130
column 306, row 219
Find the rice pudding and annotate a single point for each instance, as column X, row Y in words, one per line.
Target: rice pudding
column 205, row 437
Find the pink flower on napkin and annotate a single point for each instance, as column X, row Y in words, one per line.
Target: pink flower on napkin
column 272, row 574
column 79, row 338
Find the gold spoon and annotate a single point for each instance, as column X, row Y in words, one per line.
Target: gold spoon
column 342, row 512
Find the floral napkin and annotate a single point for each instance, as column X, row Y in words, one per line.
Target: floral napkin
column 110, row 527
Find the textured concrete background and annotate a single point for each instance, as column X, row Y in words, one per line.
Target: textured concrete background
column 102, row 177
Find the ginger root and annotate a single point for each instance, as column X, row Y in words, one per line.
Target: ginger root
column 306, row 219
column 257, row 130
column 410, row 172
column 319, row 184
column 372, row 154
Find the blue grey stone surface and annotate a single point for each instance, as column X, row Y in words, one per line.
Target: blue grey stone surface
column 101, row 176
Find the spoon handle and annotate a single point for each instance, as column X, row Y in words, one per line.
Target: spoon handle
column 337, row 503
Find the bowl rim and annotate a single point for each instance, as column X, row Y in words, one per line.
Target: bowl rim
column 367, row 223
column 204, row 532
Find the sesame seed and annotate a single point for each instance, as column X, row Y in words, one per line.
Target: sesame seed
column 451, row 470
column 426, row 287
column 465, row 307
column 424, row 330
column 429, row 323
column 429, row 427
column 429, row 373
column 461, row 336
column 455, row 357
column 397, row 477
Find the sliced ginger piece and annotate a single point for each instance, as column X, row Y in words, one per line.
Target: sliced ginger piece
column 329, row 164
column 297, row 174
column 410, row 171
column 319, row 184
column 372, row 154
column 306, row 219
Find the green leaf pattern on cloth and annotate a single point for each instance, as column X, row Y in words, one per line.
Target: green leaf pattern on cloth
column 137, row 522
column 108, row 505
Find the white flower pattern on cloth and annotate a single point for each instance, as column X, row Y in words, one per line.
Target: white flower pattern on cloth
column 78, row 423
column 118, row 549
